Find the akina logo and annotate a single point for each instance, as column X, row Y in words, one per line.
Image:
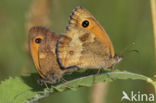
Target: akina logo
column 137, row 96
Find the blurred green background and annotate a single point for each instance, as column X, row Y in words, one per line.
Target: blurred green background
column 125, row 21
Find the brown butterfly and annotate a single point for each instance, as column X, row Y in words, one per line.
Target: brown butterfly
column 43, row 51
column 85, row 43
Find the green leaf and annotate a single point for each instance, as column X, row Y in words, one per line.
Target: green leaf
column 25, row 89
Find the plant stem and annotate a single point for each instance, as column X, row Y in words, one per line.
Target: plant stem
column 38, row 15
column 153, row 12
column 98, row 94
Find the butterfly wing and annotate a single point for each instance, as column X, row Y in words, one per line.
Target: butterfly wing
column 34, row 34
column 85, row 43
column 80, row 47
column 81, row 17
column 43, row 51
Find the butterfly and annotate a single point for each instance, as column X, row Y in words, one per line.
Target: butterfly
column 85, row 43
column 42, row 44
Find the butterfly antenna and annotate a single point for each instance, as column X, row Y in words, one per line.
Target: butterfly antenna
column 128, row 51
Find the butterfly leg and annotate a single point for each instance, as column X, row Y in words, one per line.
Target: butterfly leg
column 51, row 78
column 41, row 81
column 63, row 80
column 112, row 68
column 98, row 72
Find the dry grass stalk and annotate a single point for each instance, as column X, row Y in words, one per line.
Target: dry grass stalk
column 98, row 94
column 153, row 12
column 38, row 15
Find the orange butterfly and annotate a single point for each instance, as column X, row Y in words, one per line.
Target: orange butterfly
column 85, row 43
column 42, row 45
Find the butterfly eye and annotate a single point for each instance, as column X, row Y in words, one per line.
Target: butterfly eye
column 38, row 40
column 85, row 23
